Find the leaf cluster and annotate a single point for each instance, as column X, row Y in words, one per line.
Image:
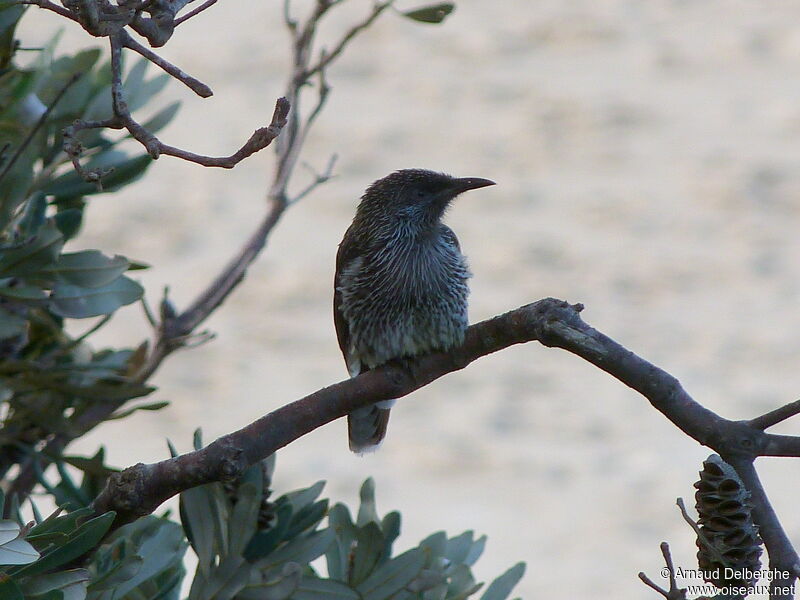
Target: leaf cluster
column 244, row 557
column 49, row 378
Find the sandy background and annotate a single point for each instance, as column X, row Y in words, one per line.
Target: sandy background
column 647, row 159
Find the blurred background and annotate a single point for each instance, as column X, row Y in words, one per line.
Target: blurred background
column 647, row 157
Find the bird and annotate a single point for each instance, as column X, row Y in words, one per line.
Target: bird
column 400, row 286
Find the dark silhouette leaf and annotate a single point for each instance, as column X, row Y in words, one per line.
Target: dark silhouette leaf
column 435, row 13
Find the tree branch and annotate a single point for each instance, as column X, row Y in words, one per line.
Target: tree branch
column 197, row 86
column 140, row 489
column 776, row 416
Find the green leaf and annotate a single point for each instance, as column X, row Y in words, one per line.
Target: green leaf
column 338, row 554
column 225, row 580
column 119, row 573
column 435, row 13
column 137, row 265
column 301, row 498
column 301, row 550
column 10, row 324
column 41, row 542
column 162, row 548
column 279, row 587
column 390, row 525
column 34, row 216
column 314, row 588
column 133, row 81
column 71, row 583
column 458, row 548
column 9, row 530
column 462, row 583
column 70, row 184
column 99, row 108
column 17, row 552
column 173, row 452
column 367, row 511
column 125, row 413
column 393, row 576
column 244, row 517
column 307, row 518
column 162, row 118
column 61, row 524
column 87, row 269
column 69, row 221
column 93, row 465
column 9, row 17
column 198, row 521
column 22, row 292
column 368, row 551
column 9, row 590
column 142, row 94
column 85, row 538
column 38, row 252
column 501, row 587
column 476, row 551
column 264, row 542
column 60, row 73
column 79, row 303
column 436, row 543
column 197, row 439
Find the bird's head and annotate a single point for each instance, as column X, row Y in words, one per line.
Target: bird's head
column 415, row 196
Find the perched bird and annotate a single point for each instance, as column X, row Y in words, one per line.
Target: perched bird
column 400, row 288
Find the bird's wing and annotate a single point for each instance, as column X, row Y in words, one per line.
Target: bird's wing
column 349, row 250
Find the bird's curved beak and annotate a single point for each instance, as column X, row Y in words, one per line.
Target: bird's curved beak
column 464, row 184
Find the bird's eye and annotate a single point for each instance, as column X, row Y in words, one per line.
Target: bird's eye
column 420, row 193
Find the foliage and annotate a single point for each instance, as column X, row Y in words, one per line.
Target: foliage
column 248, row 548
column 47, row 377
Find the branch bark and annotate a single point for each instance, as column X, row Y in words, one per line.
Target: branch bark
column 140, row 489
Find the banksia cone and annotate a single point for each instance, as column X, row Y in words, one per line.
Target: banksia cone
column 729, row 544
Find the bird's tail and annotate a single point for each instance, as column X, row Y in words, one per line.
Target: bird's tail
column 366, row 427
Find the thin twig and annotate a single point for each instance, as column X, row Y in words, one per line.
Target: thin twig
column 197, row 86
column 82, row 338
column 327, row 58
column 46, row 4
column 196, row 11
column 122, row 118
column 319, row 179
column 673, row 593
column 776, row 416
column 42, row 119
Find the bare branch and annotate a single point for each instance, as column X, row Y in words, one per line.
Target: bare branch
column 259, row 140
column 673, row 593
column 327, row 58
column 46, row 4
column 196, row 11
column 776, row 416
column 319, row 179
column 197, row 86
